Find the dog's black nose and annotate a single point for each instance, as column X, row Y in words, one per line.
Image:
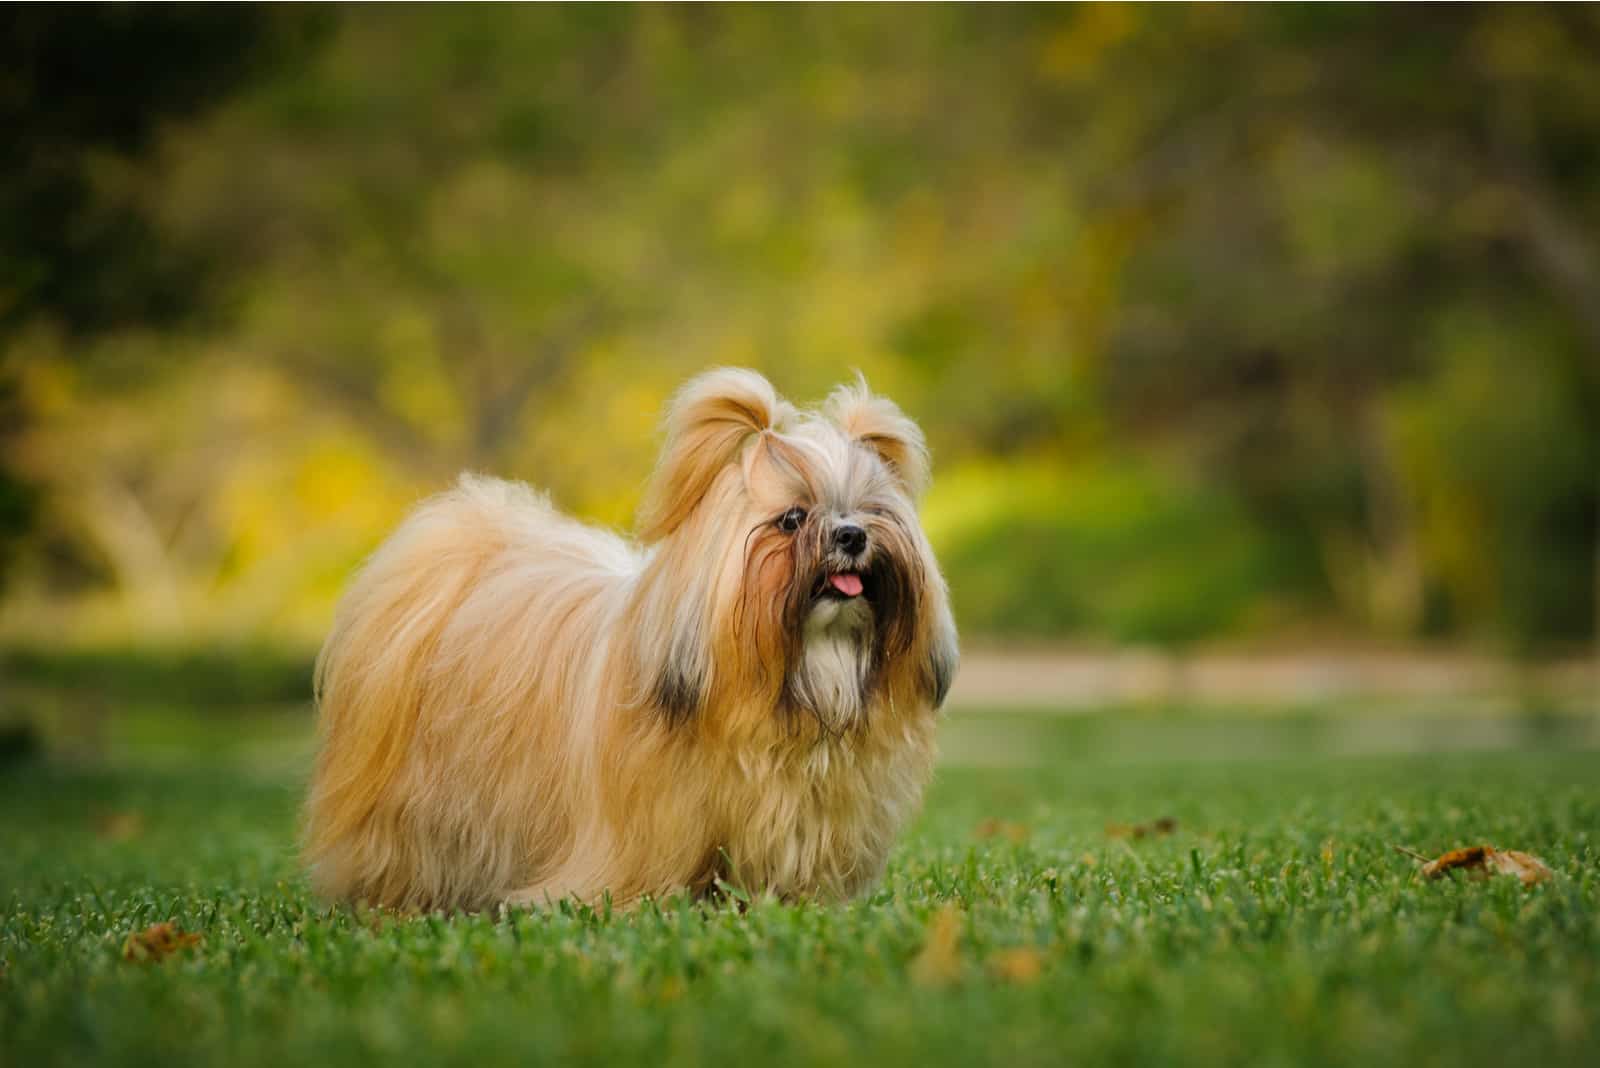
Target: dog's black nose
column 850, row 539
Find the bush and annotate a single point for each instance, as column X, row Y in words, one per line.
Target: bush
column 1110, row 552
column 220, row 676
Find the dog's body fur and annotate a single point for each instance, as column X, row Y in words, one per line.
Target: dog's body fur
column 516, row 707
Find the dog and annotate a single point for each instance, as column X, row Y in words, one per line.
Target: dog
column 517, row 708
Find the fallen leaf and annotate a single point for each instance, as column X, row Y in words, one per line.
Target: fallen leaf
column 1164, row 825
column 939, row 963
column 1481, row 861
column 1020, row 966
column 1530, row 869
column 156, row 942
column 1013, row 832
column 1470, row 859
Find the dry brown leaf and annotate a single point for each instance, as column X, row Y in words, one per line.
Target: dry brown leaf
column 157, row 942
column 1013, row 832
column 939, row 963
column 1020, row 966
column 1481, row 861
column 1526, row 867
column 1164, row 825
column 1471, row 859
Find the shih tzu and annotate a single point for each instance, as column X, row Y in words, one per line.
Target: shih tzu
column 516, row 707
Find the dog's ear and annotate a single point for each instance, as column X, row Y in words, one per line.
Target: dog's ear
column 881, row 426
column 708, row 424
column 944, row 656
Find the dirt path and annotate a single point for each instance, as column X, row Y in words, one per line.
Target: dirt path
column 1069, row 678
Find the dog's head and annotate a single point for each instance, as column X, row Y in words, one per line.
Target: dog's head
column 789, row 564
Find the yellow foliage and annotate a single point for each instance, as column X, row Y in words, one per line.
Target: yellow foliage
column 1073, row 52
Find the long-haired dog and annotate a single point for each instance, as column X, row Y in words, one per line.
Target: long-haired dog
column 516, row 707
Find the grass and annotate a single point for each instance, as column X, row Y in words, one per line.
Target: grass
column 1275, row 926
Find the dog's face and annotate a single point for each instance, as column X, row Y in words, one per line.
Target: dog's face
column 835, row 562
column 793, row 545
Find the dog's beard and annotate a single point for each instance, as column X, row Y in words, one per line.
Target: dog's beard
column 833, row 668
column 842, row 641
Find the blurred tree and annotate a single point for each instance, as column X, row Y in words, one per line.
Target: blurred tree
column 1328, row 189
column 1316, row 287
column 84, row 93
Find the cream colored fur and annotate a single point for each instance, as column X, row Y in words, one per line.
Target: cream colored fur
column 516, row 707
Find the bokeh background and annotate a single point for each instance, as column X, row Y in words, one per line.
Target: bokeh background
column 1238, row 327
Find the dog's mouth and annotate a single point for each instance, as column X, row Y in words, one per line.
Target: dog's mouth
column 843, row 586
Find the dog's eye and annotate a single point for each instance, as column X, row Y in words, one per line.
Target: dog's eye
column 790, row 521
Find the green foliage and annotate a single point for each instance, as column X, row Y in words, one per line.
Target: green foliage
column 1510, row 476
column 1275, row 926
column 190, row 676
column 17, row 504
column 1283, row 260
column 1118, row 553
column 85, row 250
column 86, row 93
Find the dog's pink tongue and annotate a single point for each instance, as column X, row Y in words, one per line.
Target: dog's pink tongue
column 847, row 583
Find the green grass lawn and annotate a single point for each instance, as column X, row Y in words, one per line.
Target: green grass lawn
column 1276, row 925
